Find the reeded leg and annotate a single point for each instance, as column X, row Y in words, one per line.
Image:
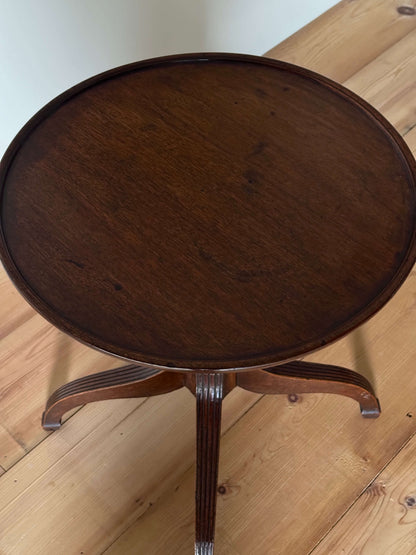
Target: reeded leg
column 309, row 377
column 127, row 381
column 209, row 395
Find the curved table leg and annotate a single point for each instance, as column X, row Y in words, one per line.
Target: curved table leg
column 310, row 377
column 209, row 395
column 127, row 381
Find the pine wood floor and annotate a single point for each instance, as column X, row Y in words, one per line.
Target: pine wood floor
column 299, row 478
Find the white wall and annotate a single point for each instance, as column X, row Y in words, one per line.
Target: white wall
column 46, row 46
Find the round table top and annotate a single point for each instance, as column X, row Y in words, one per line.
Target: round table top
column 208, row 211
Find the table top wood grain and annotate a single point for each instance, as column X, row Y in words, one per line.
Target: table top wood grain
column 209, row 211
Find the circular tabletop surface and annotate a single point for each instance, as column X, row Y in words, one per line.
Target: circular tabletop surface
column 208, row 211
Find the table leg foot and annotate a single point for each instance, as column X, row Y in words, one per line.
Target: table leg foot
column 125, row 382
column 209, row 396
column 310, row 377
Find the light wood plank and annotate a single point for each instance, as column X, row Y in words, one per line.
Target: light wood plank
column 24, row 514
column 389, row 83
column 10, row 449
column 345, row 38
column 84, row 485
column 383, row 520
column 35, row 358
column 14, row 310
column 410, row 138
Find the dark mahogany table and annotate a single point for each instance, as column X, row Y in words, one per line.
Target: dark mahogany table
column 211, row 218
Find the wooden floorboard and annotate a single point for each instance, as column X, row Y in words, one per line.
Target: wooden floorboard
column 383, row 519
column 389, row 83
column 346, row 38
column 86, row 484
column 410, row 138
column 311, row 476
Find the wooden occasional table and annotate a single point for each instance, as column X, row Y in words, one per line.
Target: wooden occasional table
column 211, row 218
